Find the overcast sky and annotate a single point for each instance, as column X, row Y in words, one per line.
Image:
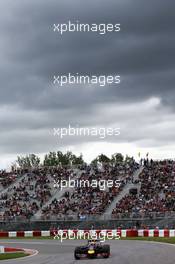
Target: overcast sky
column 143, row 53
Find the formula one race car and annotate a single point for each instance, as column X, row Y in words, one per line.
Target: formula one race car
column 92, row 249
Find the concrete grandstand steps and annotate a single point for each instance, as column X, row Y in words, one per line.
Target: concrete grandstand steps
column 123, row 193
column 58, row 194
column 31, row 189
column 9, row 189
column 137, row 173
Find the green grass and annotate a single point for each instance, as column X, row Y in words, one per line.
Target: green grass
column 4, row 256
column 170, row 240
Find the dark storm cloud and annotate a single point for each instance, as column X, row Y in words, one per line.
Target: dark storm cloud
column 35, row 53
column 31, row 53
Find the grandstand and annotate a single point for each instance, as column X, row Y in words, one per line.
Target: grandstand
column 30, row 196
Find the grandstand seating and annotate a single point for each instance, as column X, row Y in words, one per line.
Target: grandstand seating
column 25, row 193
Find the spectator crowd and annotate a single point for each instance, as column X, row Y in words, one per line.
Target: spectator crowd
column 156, row 194
column 25, row 194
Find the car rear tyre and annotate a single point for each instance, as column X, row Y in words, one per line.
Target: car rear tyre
column 76, row 254
column 106, row 251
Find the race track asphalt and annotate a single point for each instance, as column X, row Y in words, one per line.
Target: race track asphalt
column 122, row 252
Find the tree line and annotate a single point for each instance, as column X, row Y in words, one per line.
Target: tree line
column 58, row 158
